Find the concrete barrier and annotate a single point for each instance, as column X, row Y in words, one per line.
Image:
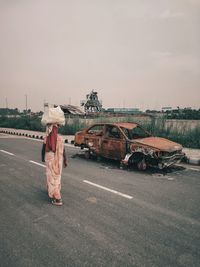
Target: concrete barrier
column 194, row 161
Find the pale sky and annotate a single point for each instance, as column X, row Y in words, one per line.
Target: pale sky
column 135, row 53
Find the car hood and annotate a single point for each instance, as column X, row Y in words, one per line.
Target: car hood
column 159, row 143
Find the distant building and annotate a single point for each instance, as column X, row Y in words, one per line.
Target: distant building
column 124, row 110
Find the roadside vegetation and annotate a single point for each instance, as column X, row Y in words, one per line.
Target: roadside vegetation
column 178, row 114
column 188, row 137
column 25, row 122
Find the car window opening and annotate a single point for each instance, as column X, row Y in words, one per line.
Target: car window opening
column 112, row 132
column 135, row 133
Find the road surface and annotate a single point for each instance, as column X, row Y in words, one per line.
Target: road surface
column 110, row 217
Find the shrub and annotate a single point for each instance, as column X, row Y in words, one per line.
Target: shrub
column 23, row 122
column 188, row 138
column 71, row 129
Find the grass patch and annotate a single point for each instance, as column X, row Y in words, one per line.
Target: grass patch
column 187, row 137
column 23, row 122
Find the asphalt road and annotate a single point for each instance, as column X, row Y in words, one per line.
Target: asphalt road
column 110, row 217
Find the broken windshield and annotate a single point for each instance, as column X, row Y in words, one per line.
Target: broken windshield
column 135, row 133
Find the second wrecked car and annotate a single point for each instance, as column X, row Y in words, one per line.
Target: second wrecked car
column 130, row 144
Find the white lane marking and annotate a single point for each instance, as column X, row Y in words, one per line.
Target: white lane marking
column 30, row 138
column 40, row 140
column 188, row 168
column 108, row 189
column 4, row 151
column 194, row 169
column 36, row 163
column 40, row 218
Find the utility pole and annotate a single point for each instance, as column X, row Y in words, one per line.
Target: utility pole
column 26, row 102
column 6, row 106
column 123, row 103
column 46, row 104
column 6, row 103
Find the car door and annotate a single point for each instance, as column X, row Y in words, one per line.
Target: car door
column 93, row 137
column 113, row 144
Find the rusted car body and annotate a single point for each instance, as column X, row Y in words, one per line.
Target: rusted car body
column 130, row 144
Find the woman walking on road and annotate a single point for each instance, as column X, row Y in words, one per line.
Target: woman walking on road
column 53, row 153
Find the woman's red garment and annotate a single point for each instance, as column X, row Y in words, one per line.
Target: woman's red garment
column 52, row 140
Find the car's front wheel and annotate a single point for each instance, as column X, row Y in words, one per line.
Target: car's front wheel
column 138, row 160
column 87, row 154
column 142, row 165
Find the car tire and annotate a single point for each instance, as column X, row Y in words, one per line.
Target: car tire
column 87, row 154
column 141, row 165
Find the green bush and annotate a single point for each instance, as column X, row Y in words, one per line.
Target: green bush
column 23, row 122
column 188, row 138
column 71, row 129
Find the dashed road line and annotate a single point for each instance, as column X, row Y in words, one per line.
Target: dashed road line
column 108, row 189
column 6, row 152
column 96, row 185
column 10, row 137
column 194, row 169
column 40, row 140
column 31, row 138
column 188, row 168
column 36, row 163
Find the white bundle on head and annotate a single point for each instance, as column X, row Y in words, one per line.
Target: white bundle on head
column 53, row 116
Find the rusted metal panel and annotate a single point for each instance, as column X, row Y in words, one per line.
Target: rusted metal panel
column 127, row 125
column 114, row 149
column 93, row 143
column 160, row 143
column 70, row 109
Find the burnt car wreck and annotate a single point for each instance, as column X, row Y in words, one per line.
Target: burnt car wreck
column 130, row 144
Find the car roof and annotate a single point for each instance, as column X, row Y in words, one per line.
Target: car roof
column 127, row 125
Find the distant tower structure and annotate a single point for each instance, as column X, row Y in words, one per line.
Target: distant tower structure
column 92, row 103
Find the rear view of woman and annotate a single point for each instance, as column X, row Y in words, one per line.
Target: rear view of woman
column 53, row 154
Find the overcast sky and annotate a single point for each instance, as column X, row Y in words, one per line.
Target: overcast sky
column 135, row 53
